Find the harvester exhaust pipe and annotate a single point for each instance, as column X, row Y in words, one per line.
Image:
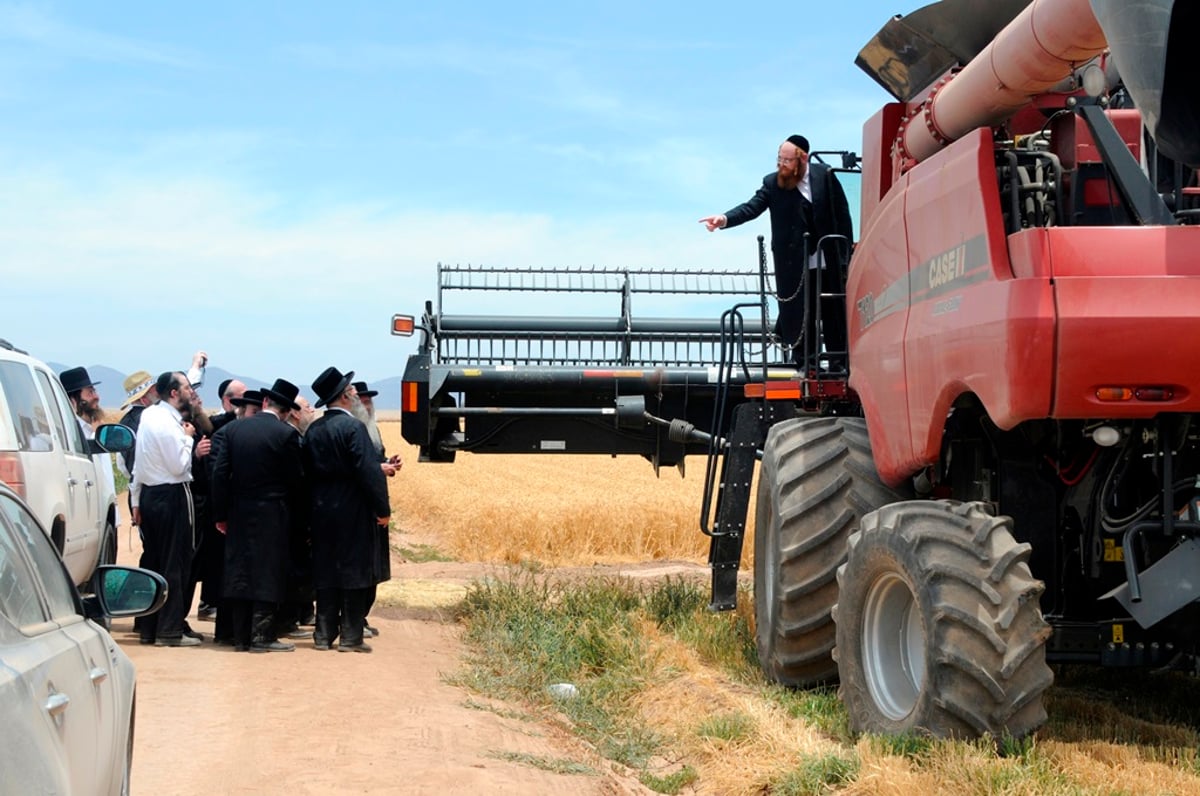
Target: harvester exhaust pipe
column 1045, row 43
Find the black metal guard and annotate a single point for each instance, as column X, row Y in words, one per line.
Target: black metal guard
column 546, row 336
column 1168, row 525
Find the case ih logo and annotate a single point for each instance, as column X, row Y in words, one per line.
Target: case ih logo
column 943, row 273
column 951, row 269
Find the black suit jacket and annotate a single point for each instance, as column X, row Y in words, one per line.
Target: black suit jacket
column 828, row 214
column 257, row 486
column 348, row 491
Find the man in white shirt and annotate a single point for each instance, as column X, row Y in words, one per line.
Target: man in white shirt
column 162, row 505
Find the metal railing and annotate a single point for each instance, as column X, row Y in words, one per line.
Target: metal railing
column 559, row 325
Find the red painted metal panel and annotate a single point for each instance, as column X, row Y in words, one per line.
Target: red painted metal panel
column 877, row 298
column 972, row 327
column 1127, row 300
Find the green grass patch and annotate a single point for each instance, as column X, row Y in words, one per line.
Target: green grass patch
column 558, row 765
column 817, row 775
column 911, row 746
column 727, row 727
column 526, row 633
column 819, row 707
column 669, row 783
column 680, row 607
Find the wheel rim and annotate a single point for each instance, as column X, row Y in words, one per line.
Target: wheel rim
column 771, row 561
column 893, row 643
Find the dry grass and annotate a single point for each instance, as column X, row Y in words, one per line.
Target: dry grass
column 553, row 510
column 577, row 511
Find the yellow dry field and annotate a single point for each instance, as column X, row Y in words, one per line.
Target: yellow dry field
column 552, row 510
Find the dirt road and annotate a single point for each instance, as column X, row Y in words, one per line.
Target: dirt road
column 213, row 721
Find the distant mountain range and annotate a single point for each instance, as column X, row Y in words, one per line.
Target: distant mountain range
column 112, row 393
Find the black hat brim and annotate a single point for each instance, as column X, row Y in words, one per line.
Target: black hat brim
column 333, row 394
column 279, row 397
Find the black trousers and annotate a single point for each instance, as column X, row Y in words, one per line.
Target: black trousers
column 252, row 621
column 832, row 329
column 341, row 612
column 167, row 522
column 799, row 300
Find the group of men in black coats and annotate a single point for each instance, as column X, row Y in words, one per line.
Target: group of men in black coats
column 281, row 509
column 277, row 496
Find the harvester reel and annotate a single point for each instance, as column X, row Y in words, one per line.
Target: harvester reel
column 938, row 625
column 817, row 479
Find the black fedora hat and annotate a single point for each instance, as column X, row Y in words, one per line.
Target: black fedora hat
column 284, row 392
column 248, row 398
column 360, row 387
column 75, row 379
column 329, row 385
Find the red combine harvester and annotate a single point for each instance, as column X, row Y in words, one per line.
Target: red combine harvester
column 1008, row 476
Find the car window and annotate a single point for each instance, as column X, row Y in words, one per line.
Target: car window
column 25, row 532
column 64, row 418
column 19, row 601
column 24, row 406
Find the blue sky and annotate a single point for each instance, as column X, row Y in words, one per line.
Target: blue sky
column 272, row 181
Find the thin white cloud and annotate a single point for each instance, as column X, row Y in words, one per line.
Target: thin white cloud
column 35, row 26
column 150, row 265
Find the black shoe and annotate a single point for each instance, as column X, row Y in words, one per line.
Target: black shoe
column 369, row 632
column 146, row 640
column 323, row 646
column 241, row 647
column 361, row 646
column 182, row 641
column 271, row 646
column 189, row 633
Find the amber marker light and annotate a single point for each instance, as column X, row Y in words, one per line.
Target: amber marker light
column 1114, row 394
column 402, row 325
column 408, row 396
column 774, row 391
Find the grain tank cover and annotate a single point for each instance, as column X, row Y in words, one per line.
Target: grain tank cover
column 1152, row 42
column 909, row 53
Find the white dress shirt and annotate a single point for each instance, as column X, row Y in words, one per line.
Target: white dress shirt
column 816, row 259
column 164, row 452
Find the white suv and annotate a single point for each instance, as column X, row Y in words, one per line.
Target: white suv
column 46, row 460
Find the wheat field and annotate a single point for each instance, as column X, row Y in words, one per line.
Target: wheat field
column 555, row 510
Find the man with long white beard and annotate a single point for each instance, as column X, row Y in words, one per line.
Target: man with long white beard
column 349, row 505
column 390, row 466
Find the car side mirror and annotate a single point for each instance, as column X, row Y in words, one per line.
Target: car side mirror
column 128, row 591
column 113, row 438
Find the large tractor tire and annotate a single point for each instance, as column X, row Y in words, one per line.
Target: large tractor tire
column 817, row 480
column 938, row 625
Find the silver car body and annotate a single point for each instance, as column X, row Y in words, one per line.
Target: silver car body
column 66, row 688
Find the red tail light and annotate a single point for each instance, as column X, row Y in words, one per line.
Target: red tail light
column 12, row 473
